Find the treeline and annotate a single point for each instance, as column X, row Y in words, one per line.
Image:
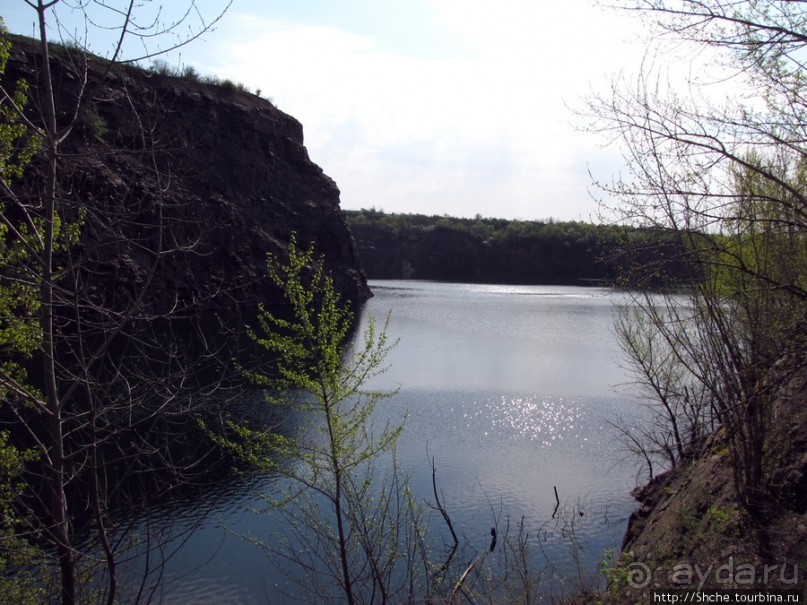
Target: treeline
column 490, row 250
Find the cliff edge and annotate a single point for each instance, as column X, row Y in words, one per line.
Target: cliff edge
column 207, row 174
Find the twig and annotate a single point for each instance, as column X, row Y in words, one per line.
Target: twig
column 461, row 581
column 557, row 501
column 440, row 506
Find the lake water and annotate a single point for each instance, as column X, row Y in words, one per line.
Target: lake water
column 509, row 389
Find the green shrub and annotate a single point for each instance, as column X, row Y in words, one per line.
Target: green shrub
column 92, row 123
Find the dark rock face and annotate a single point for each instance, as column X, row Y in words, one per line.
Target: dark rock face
column 187, row 186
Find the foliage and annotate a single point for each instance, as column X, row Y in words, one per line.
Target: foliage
column 92, row 123
column 395, row 246
column 680, row 414
column 161, row 67
column 309, row 349
column 17, row 145
column 189, row 73
column 18, row 556
column 616, row 571
column 19, row 337
column 332, row 460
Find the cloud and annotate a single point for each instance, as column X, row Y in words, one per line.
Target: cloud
column 480, row 124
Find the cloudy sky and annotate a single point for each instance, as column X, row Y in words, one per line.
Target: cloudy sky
column 458, row 107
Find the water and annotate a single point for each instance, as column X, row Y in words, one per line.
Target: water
column 509, row 389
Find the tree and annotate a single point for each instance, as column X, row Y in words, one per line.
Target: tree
column 333, row 460
column 19, row 334
column 352, row 532
column 728, row 180
column 679, row 415
column 112, row 387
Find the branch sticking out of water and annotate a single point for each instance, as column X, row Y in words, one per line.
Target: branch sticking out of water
column 557, row 501
column 439, row 506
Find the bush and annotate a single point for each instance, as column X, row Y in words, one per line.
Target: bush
column 161, row 67
column 189, row 73
column 92, row 123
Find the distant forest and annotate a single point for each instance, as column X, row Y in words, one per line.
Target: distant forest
column 488, row 250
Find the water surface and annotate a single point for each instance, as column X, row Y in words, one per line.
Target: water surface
column 509, row 389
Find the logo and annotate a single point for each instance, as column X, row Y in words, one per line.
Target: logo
column 729, row 574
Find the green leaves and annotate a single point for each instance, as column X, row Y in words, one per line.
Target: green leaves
column 309, row 344
column 20, row 336
column 18, row 142
column 318, row 371
column 21, row 239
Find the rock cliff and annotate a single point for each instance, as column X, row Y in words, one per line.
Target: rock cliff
column 692, row 532
column 205, row 178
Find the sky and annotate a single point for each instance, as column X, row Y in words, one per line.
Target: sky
column 457, row 107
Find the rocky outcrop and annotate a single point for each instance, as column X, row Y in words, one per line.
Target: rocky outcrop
column 207, row 177
column 692, row 532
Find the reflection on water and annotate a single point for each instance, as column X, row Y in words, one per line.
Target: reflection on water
column 509, row 389
column 508, row 453
column 536, row 419
column 550, row 340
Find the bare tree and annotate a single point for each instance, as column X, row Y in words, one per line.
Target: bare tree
column 113, row 383
column 728, row 179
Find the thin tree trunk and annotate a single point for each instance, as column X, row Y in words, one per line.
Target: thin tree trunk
column 337, row 500
column 60, row 525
